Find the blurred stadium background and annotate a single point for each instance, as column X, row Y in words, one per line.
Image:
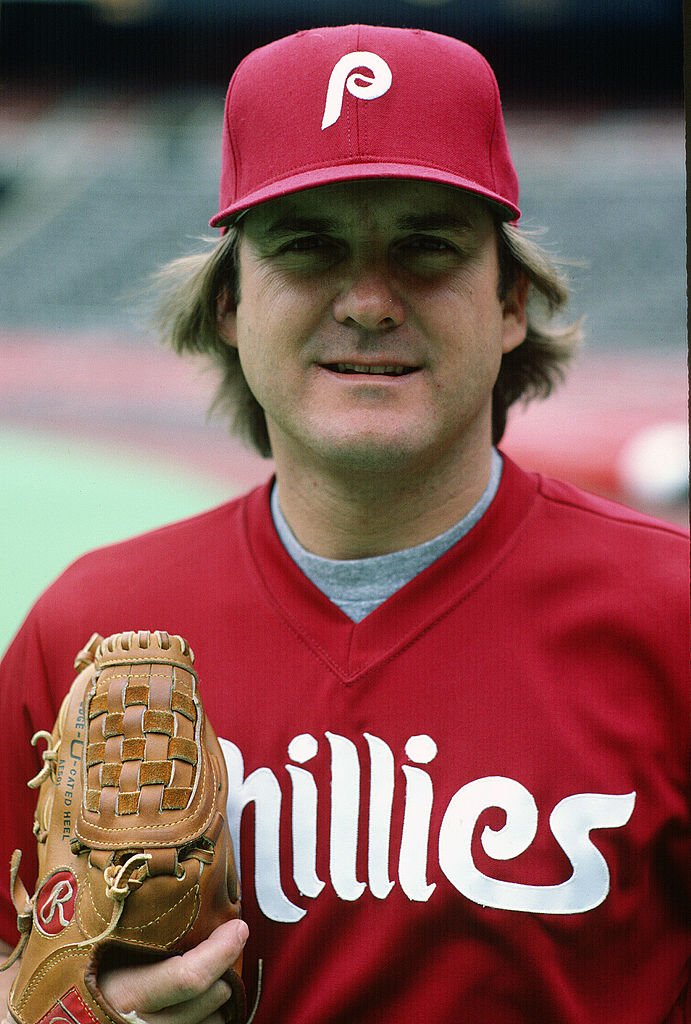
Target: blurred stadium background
column 109, row 143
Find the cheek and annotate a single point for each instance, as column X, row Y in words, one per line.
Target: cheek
column 253, row 357
column 469, row 317
column 265, row 358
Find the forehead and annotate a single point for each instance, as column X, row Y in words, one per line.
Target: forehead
column 379, row 204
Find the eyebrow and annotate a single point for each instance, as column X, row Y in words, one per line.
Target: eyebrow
column 430, row 221
column 308, row 225
column 435, row 221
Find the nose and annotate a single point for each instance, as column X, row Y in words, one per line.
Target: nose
column 369, row 299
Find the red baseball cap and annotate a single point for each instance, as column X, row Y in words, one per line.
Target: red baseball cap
column 335, row 104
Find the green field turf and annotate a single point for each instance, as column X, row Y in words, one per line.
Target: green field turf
column 59, row 498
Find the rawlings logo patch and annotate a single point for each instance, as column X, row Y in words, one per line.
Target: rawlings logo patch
column 69, row 1009
column 55, row 902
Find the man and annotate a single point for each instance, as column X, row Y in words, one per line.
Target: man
column 451, row 694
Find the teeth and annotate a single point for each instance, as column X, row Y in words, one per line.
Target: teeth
column 396, row 371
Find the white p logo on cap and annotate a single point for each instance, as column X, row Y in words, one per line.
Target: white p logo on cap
column 359, row 85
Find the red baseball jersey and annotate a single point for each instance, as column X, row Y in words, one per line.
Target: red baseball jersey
column 469, row 806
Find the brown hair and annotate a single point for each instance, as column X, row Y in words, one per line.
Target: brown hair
column 187, row 319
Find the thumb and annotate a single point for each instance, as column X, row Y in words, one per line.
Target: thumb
column 154, row 986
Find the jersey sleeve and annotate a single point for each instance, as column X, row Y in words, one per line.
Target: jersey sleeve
column 27, row 704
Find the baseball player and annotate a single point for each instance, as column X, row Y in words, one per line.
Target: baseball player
column 451, row 694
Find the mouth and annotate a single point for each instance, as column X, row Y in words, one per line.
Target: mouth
column 370, row 369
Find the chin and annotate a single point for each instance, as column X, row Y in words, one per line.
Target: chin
column 370, row 454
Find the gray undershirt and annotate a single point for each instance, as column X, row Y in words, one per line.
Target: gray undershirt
column 359, row 585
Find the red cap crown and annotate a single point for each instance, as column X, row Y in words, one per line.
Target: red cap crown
column 338, row 103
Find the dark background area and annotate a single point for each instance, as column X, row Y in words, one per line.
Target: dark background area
column 584, row 52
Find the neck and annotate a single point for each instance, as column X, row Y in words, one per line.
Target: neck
column 361, row 514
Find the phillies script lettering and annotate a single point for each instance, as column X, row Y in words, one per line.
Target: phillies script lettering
column 571, row 822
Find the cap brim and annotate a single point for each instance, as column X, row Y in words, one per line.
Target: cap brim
column 352, row 172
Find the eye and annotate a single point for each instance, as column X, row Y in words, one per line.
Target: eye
column 427, row 254
column 308, row 253
column 308, row 244
column 430, row 244
column 428, row 249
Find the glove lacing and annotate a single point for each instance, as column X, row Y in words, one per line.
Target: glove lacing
column 120, row 881
column 49, row 755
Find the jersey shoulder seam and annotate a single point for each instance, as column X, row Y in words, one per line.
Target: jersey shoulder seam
column 622, row 515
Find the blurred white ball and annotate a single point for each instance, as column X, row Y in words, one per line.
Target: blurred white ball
column 653, row 466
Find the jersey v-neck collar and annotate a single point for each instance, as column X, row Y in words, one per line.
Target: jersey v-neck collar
column 349, row 648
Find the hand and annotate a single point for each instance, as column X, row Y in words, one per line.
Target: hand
column 185, row 989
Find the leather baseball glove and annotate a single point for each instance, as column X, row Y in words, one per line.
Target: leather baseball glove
column 135, row 858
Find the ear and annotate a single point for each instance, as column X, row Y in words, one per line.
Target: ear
column 515, row 314
column 226, row 318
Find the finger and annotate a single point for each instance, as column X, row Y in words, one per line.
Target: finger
column 195, row 971
column 147, row 988
column 218, row 1017
column 201, row 1010
column 196, row 1011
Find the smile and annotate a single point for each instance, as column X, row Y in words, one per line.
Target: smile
column 386, row 371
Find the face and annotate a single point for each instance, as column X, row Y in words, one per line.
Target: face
column 369, row 325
